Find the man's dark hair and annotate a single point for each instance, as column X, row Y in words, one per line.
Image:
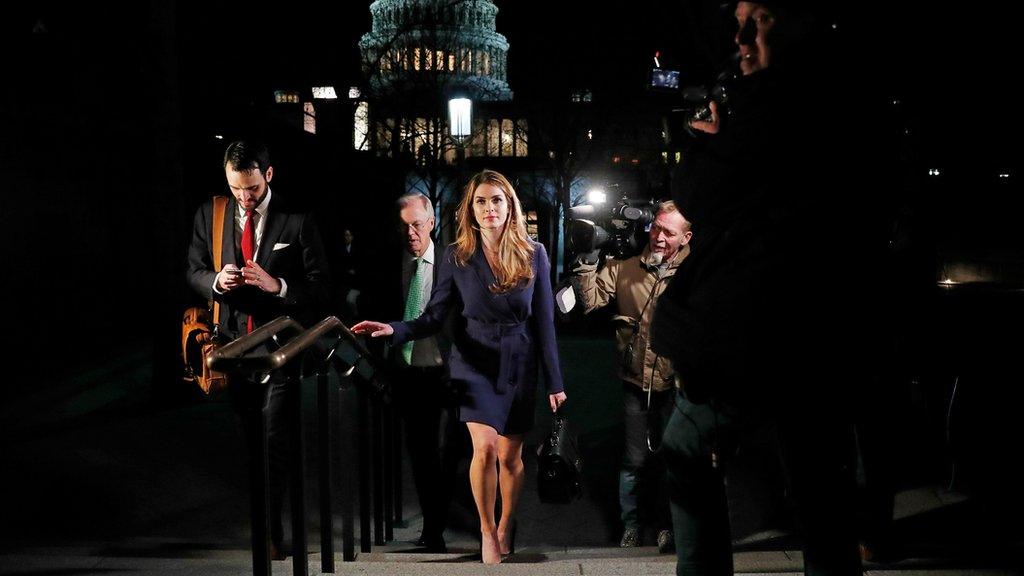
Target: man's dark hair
column 246, row 155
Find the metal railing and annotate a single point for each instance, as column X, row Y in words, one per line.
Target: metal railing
column 352, row 362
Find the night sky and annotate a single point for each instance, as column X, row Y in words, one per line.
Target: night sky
column 953, row 66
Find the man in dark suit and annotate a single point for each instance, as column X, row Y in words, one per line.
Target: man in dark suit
column 421, row 382
column 273, row 264
column 348, row 275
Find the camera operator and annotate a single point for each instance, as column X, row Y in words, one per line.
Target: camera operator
column 762, row 322
column 635, row 284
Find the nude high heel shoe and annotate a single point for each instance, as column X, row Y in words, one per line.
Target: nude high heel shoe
column 511, row 537
column 490, row 554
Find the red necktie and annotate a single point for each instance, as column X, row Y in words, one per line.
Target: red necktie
column 249, row 247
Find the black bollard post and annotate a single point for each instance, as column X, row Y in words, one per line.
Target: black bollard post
column 397, row 472
column 378, row 469
column 325, row 409
column 300, row 558
column 348, row 439
column 364, row 471
column 258, row 493
column 387, row 474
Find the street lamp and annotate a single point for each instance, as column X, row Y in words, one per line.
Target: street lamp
column 460, row 119
column 460, row 123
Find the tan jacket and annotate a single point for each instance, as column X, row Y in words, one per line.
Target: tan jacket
column 636, row 288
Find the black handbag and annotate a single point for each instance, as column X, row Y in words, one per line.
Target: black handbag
column 559, row 465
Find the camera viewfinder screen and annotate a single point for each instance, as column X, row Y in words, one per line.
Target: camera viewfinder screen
column 664, row 79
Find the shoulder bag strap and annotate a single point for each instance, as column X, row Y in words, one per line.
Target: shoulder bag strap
column 220, row 204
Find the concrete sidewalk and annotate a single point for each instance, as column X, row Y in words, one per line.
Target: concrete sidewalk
column 769, row 552
column 538, row 561
column 101, row 479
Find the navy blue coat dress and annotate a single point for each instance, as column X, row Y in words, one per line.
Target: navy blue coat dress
column 498, row 342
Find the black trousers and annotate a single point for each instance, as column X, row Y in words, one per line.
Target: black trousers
column 434, row 437
column 817, row 449
column 875, row 418
column 263, row 408
column 643, row 492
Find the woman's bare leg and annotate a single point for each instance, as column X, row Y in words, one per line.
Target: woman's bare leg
column 483, row 479
column 510, row 465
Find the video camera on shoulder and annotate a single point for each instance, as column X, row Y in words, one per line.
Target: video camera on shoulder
column 618, row 228
column 600, row 228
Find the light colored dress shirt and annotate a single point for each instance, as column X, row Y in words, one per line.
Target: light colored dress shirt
column 425, row 352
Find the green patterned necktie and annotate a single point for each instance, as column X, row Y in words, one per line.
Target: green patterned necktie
column 413, row 307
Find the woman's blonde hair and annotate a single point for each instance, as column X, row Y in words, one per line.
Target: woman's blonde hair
column 515, row 251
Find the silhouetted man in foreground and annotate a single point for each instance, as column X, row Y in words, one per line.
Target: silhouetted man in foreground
column 760, row 321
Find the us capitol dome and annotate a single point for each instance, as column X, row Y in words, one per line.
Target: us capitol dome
column 431, row 45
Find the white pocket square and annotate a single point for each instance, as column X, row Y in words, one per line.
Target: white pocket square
column 279, row 246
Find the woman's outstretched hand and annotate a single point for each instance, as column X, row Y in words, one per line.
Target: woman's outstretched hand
column 556, row 400
column 374, row 329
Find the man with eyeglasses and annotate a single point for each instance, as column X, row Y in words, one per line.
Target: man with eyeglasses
column 421, row 386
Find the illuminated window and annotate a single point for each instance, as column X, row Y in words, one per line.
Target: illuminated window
column 493, row 138
column 664, row 157
column 582, row 96
column 416, row 58
column 451, row 62
column 422, row 135
column 531, row 224
column 522, row 139
column 508, row 138
column 324, row 92
column 354, row 93
column 501, row 138
column 286, row 97
column 309, row 118
column 385, row 131
column 679, row 157
column 440, row 58
column 405, row 131
column 616, row 159
column 429, row 54
column 478, row 140
column 361, row 127
column 486, row 63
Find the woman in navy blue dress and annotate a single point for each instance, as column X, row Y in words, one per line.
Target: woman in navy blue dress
column 499, row 281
